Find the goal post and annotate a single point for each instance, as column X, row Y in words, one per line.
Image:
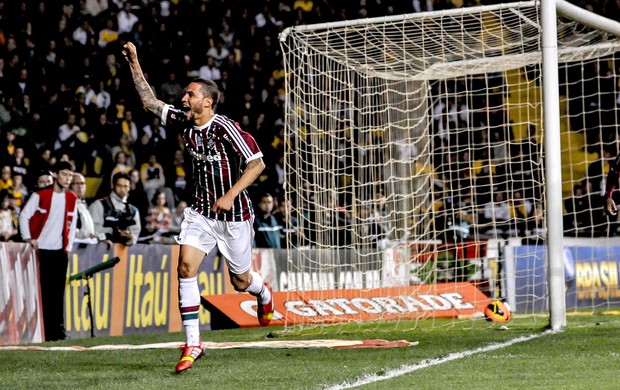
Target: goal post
column 417, row 152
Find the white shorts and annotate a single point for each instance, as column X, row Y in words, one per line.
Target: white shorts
column 233, row 239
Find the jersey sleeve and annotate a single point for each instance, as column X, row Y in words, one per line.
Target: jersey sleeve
column 242, row 141
column 171, row 116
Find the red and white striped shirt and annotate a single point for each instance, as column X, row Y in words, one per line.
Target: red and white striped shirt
column 220, row 151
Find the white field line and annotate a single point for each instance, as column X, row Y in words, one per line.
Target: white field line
column 406, row 369
column 330, row 343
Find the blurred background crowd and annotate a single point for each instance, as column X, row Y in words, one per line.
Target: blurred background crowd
column 66, row 93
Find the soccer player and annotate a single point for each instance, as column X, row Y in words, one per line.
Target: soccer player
column 226, row 160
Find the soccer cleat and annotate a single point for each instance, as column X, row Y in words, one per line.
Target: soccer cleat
column 265, row 312
column 189, row 354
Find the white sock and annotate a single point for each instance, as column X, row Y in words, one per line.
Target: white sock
column 189, row 305
column 257, row 288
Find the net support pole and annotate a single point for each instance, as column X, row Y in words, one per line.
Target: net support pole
column 553, row 164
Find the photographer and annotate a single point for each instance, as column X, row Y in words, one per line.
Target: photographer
column 115, row 220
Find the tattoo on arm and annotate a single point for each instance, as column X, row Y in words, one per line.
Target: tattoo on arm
column 147, row 96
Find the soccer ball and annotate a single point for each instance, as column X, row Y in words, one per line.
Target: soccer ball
column 497, row 311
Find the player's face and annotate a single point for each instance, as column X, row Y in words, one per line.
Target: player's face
column 195, row 100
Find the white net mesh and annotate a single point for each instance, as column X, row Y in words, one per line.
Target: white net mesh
column 415, row 147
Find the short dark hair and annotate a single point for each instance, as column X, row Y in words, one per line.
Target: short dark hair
column 209, row 89
column 62, row 165
column 120, row 175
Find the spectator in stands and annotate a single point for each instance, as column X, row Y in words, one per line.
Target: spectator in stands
column 177, row 216
column 47, row 222
column 159, row 218
column 121, row 164
column 210, row 71
column 115, row 220
column 8, row 229
column 126, row 19
column 45, row 179
column 497, row 215
column 218, row 53
column 176, row 176
column 266, row 227
column 137, row 196
column 577, row 218
column 20, row 162
column 520, row 211
column 128, row 159
column 18, row 191
column 85, row 227
column 171, row 89
column 154, row 129
column 84, row 32
column 598, row 226
column 288, row 222
column 108, row 34
column 369, row 230
column 6, row 181
column 95, row 7
column 537, row 225
column 66, row 133
column 45, row 160
column 152, row 176
column 129, row 127
column 8, row 147
column 152, row 141
column 338, row 221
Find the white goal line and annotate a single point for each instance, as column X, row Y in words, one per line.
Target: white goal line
column 406, row 369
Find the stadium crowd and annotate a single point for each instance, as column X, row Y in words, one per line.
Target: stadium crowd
column 66, row 92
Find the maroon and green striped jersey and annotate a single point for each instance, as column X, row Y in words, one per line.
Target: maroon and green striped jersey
column 220, row 151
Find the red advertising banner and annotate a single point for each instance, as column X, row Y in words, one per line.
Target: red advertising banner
column 21, row 317
column 413, row 302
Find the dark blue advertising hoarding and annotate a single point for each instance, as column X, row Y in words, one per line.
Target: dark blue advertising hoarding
column 590, row 272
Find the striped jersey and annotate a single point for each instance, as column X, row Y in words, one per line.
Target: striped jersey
column 220, row 151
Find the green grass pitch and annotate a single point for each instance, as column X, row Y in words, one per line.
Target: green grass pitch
column 449, row 355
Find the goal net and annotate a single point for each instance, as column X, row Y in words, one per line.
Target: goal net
column 415, row 159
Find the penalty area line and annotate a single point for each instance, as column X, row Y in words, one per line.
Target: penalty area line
column 406, row 369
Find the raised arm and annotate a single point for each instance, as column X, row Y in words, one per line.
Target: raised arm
column 149, row 101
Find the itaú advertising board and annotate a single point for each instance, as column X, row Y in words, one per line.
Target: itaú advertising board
column 331, row 306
